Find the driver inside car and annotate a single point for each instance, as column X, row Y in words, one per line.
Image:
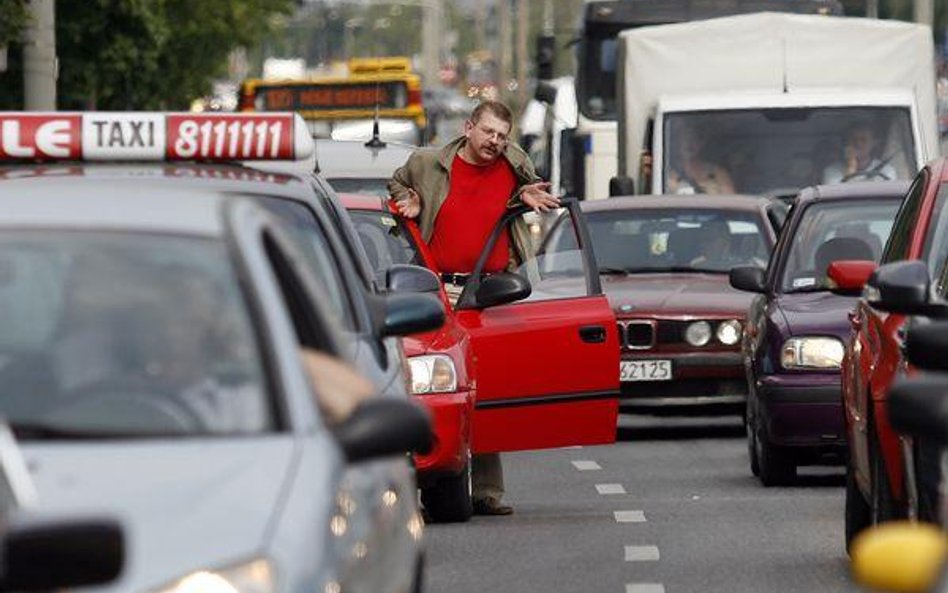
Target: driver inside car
column 860, row 160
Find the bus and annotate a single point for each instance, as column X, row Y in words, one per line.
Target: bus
column 345, row 107
column 595, row 143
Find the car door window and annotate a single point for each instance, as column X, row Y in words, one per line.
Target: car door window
column 316, row 248
column 900, row 238
column 546, row 249
column 935, row 249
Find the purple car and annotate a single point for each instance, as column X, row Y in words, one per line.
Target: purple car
column 793, row 342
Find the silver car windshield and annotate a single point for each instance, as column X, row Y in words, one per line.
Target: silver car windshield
column 113, row 335
column 830, row 231
column 781, row 150
column 669, row 240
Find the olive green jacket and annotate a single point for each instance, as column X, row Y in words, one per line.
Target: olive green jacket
column 428, row 172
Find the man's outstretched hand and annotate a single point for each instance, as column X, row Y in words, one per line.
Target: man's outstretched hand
column 537, row 196
column 409, row 207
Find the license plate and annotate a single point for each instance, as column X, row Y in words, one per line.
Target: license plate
column 645, row 370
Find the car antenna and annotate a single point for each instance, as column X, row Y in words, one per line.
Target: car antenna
column 376, row 142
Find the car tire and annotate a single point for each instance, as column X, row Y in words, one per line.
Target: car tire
column 449, row 500
column 858, row 514
column 774, row 465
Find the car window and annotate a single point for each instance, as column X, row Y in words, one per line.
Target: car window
column 900, row 239
column 385, row 240
column 830, row 231
column 545, row 251
column 126, row 335
column 637, row 241
column 935, row 248
column 306, row 230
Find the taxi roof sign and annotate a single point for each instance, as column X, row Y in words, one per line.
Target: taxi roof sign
column 152, row 136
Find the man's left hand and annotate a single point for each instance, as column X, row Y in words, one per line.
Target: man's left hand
column 537, row 196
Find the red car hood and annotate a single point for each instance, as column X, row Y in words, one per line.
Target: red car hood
column 675, row 294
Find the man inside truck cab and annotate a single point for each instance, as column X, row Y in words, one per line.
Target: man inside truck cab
column 691, row 173
column 860, row 159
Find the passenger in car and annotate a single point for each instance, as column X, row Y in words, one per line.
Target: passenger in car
column 690, row 173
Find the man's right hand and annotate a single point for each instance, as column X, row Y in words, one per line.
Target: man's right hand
column 409, row 207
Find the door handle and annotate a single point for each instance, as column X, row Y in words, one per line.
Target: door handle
column 594, row 334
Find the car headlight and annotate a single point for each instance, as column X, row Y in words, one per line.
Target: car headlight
column 729, row 332
column 256, row 576
column 811, row 353
column 432, row 373
column 698, row 333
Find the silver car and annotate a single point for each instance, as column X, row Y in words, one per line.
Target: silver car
column 150, row 368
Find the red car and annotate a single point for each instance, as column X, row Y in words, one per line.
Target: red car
column 501, row 374
column 876, row 486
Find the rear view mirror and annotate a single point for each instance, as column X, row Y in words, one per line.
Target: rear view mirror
column 919, row 407
column 926, row 346
column 408, row 278
column 382, row 427
column 747, row 278
column 63, row 553
column 900, row 287
column 848, row 277
column 411, row 313
column 500, row 289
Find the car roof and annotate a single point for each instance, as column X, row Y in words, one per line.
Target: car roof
column 142, row 197
column 854, row 189
column 353, row 159
column 675, row 201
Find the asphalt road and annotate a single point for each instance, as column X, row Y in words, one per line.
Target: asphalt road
column 672, row 507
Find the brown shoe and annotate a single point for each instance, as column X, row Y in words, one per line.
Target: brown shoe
column 491, row 506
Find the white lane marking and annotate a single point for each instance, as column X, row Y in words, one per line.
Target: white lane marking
column 610, row 488
column 585, row 466
column 644, row 588
column 641, row 553
column 630, row 516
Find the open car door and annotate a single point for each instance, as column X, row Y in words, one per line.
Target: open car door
column 548, row 362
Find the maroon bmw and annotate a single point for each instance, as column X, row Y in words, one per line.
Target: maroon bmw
column 664, row 263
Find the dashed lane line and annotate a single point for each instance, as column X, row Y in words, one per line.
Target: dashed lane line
column 630, row 516
column 644, row 588
column 585, row 466
column 641, row 553
column 610, row 489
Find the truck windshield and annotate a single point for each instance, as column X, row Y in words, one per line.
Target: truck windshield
column 777, row 151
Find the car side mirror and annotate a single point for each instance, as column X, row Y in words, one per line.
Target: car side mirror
column 848, row 277
column 926, row 346
column 747, row 278
column 49, row 554
column 407, row 279
column 917, row 406
column 900, row 287
column 621, row 186
column 411, row 313
column 383, row 427
column 500, row 289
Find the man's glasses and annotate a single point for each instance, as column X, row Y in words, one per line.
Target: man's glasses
column 499, row 137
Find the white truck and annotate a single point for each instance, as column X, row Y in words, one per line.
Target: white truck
column 770, row 99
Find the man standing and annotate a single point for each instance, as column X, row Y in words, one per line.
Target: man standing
column 458, row 193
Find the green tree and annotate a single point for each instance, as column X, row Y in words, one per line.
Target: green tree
column 144, row 54
column 14, row 19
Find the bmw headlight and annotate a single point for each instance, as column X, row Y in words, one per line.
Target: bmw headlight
column 698, row 333
column 811, row 353
column 256, row 576
column 432, row 373
column 729, row 332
